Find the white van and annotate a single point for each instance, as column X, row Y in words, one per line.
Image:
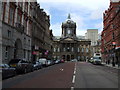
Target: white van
column 97, row 60
column 43, row 61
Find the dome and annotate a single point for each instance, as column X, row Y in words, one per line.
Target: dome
column 69, row 22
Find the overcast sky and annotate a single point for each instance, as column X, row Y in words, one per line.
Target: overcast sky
column 88, row 14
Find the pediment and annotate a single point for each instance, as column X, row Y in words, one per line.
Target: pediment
column 67, row 39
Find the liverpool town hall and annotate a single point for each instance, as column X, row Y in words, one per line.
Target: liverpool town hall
column 69, row 46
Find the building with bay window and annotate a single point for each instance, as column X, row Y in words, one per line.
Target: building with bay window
column 110, row 43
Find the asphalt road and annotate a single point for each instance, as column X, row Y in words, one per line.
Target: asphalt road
column 56, row 76
column 66, row 75
column 95, row 76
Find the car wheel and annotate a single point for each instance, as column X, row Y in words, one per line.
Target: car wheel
column 15, row 73
column 25, row 71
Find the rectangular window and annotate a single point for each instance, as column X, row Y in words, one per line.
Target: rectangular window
column 19, row 18
column 9, row 33
column 4, row 10
column 58, row 49
column 78, row 49
column 54, row 50
column 72, row 49
column 25, row 23
column 24, row 53
column 82, row 49
column 11, row 16
column 58, row 57
column 64, row 49
column 26, row 6
column 78, row 57
column 20, row 4
column 6, row 52
column 87, row 50
column 54, row 57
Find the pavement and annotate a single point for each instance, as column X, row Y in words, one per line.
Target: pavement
column 110, row 65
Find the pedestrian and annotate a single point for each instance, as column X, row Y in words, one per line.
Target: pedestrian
column 108, row 61
column 113, row 62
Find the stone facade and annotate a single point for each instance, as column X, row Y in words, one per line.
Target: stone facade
column 68, row 46
column 16, row 30
column 0, row 36
column 41, row 35
column 92, row 34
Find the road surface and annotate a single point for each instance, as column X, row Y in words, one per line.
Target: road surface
column 66, row 75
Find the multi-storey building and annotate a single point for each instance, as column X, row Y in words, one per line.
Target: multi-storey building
column 16, row 30
column 41, row 35
column 111, row 33
column 25, row 31
column 69, row 46
column 92, row 34
column 0, row 33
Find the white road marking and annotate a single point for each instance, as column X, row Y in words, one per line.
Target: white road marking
column 61, row 69
column 74, row 72
column 73, row 81
column 72, row 88
column 75, row 69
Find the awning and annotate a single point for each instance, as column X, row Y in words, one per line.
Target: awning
column 117, row 47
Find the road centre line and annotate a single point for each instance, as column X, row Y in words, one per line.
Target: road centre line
column 74, row 72
column 73, row 81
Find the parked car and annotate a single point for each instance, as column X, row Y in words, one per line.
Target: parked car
column 49, row 62
column 21, row 65
column 7, row 71
column 37, row 65
column 52, row 62
column 74, row 60
column 43, row 61
column 97, row 60
column 90, row 60
column 57, row 61
column 62, row 61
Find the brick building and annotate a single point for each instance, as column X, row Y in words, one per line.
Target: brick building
column 110, row 47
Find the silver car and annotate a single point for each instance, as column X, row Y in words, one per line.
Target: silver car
column 97, row 60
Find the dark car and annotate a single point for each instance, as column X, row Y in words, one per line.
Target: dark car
column 7, row 71
column 21, row 65
column 37, row 65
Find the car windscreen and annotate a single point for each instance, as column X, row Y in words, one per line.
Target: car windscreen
column 14, row 61
column 96, row 57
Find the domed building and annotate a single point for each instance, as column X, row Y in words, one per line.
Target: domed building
column 69, row 46
column 69, row 28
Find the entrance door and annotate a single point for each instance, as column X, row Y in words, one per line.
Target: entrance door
column 72, row 56
column 18, row 53
column 68, row 57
